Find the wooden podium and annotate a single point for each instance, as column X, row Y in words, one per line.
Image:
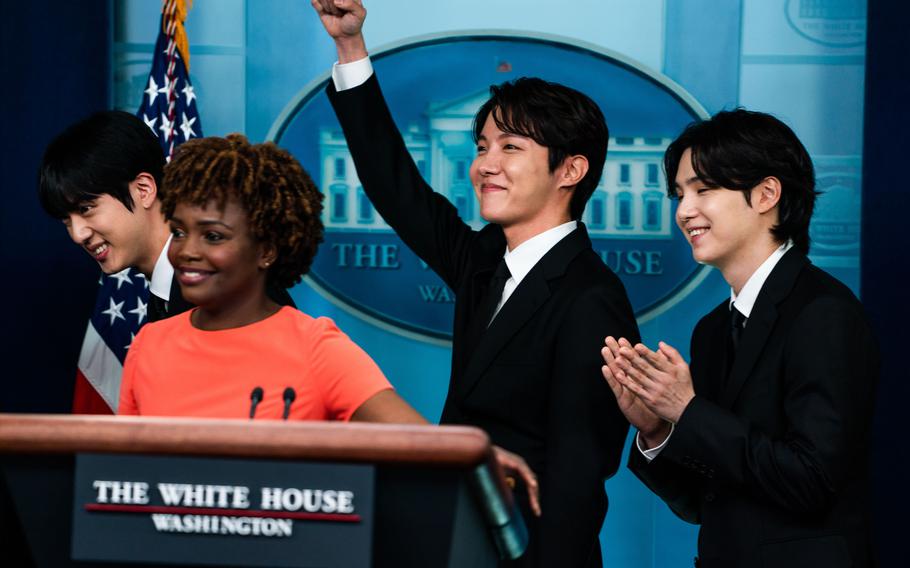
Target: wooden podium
column 387, row 495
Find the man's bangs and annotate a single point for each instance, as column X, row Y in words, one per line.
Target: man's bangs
column 515, row 120
column 61, row 199
column 702, row 164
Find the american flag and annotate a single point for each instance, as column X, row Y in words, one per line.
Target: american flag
column 169, row 109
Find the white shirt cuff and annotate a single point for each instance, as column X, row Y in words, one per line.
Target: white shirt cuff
column 653, row 452
column 349, row 75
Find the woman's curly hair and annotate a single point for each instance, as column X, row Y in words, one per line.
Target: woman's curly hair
column 282, row 203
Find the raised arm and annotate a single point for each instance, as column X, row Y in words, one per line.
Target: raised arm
column 426, row 221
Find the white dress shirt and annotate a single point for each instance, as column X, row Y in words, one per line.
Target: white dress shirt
column 523, row 258
column 162, row 275
column 743, row 302
column 349, row 75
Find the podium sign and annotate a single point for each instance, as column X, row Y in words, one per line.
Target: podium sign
column 221, row 512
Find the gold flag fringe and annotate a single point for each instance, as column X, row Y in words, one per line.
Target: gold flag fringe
column 173, row 16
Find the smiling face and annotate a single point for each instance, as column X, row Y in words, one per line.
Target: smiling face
column 114, row 236
column 721, row 227
column 219, row 265
column 513, row 182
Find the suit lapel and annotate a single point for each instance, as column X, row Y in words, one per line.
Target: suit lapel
column 160, row 309
column 489, row 248
column 710, row 368
column 480, row 283
column 524, row 302
column 761, row 322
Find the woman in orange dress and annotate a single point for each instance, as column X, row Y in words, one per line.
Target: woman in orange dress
column 243, row 215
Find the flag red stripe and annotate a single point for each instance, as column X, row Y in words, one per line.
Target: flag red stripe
column 87, row 400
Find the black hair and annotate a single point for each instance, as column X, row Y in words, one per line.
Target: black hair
column 565, row 121
column 99, row 155
column 736, row 150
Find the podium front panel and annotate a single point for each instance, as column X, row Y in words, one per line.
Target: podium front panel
column 222, row 512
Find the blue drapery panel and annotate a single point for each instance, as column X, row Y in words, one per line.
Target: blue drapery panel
column 56, row 62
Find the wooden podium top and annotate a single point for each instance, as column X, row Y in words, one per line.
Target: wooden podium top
column 446, row 446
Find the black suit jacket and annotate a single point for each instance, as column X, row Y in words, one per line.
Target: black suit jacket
column 532, row 380
column 772, row 462
column 177, row 304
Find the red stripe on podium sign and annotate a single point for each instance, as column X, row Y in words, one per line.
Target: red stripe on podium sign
column 150, row 509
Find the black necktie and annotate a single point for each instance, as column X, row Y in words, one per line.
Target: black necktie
column 737, row 323
column 157, row 308
column 494, row 292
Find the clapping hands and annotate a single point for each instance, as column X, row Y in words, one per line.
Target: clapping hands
column 652, row 388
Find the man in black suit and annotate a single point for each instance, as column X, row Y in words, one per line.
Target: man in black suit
column 102, row 178
column 532, row 295
column 764, row 439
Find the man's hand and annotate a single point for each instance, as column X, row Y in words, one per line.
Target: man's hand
column 652, row 429
column 343, row 20
column 515, row 465
column 660, row 380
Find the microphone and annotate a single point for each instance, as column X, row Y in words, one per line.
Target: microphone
column 255, row 399
column 289, row 396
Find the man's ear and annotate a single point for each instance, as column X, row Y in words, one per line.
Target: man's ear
column 573, row 169
column 144, row 190
column 766, row 195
